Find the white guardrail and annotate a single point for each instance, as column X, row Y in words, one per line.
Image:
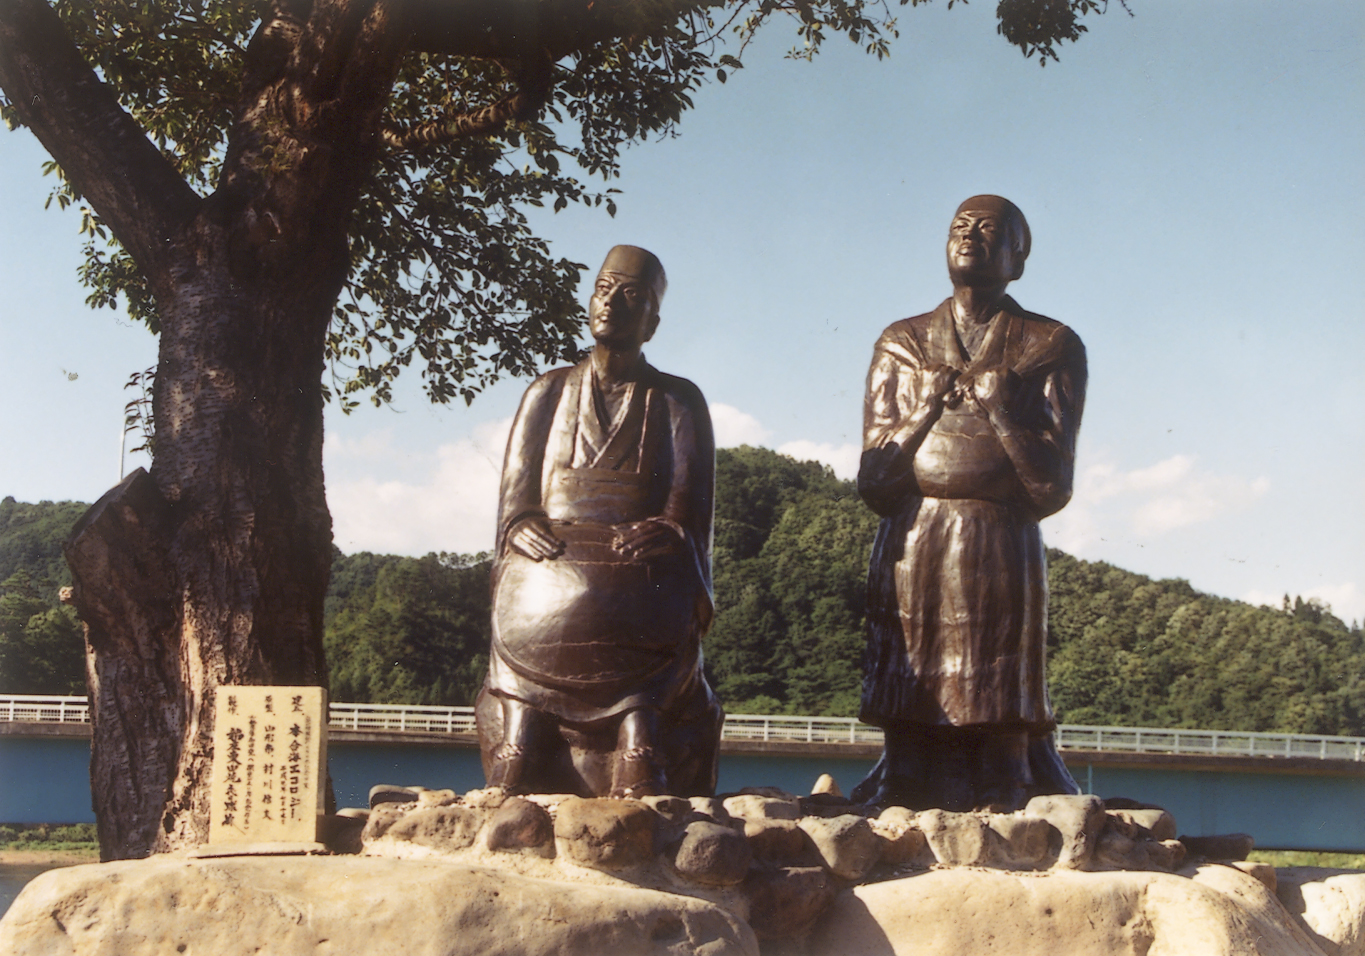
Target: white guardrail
column 784, row 728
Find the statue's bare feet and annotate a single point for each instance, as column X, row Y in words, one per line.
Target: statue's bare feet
column 508, row 767
column 637, row 772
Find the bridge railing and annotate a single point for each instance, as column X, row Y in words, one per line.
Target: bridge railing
column 45, row 710
column 402, row 717
column 1221, row 743
column 812, row 730
column 786, row 728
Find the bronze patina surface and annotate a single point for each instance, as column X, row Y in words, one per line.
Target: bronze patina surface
column 969, row 438
column 602, row 572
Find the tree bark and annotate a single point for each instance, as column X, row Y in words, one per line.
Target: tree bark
column 212, row 569
column 123, row 585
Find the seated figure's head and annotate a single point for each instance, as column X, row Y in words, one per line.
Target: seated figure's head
column 624, row 309
column 988, row 242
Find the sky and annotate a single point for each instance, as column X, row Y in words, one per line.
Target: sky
column 1192, row 176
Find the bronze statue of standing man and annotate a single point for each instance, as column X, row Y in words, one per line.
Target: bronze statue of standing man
column 602, row 573
column 969, row 440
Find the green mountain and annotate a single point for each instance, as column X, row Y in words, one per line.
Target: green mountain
column 791, row 547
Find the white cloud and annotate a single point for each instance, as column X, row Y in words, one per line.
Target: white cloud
column 1148, row 502
column 449, row 503
column 371, row 446
column 734, row 427
column 842, row 458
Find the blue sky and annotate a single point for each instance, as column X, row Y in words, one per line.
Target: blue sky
column 1193, row 179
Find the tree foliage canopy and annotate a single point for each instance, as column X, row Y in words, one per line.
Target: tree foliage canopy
column 499, row 106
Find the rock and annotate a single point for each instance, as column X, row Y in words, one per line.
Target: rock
column 846, row 844
column 898, row 816
column 786, row 902
column 352, row 906
column 521, row 825
column 902, row 844
column 828, row 805
column 754, row 806
column 1171, row 856
column 1261, row 871
column 383, row 816
column 778, row 841
column 1024, row 840
column 713, row 809
column 958, row 839
column 605, row 833
column 1127, row 803
column 1229, row 846
column 1125, row 845
column 388, row 793
column 342, row 831
column 435, row 798
column 668, row 807
column 1079, row 820
column 775, row 793
column 712, row 854
column 442, row 828
column 1328, row 904
column 1060, row 913
column 1157, row 821
column 826, row 784
column 489, row 798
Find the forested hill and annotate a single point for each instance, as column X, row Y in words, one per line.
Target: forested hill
column 791, row 550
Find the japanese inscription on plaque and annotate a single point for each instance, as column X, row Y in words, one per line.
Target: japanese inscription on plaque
column 269, row 751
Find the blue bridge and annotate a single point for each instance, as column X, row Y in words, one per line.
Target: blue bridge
column 1290, row 791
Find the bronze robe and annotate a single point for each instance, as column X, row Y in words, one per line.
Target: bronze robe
column 571, row 461
column 957, row 583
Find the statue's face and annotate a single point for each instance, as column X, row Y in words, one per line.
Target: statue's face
column 981, row 249
column 621, row 311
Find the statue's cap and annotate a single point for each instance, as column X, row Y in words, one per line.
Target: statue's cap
column 1004, row 208
column 640, row 264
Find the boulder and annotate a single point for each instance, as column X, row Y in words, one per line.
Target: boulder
column 1226, row 846
column 757, row 806
column 901, row 841
column 1079, row 820
column 521, row 825
column 1155, row 820
column 443, row 828
column 846, row 844
column 712, row 854
column 1328, row 904
column 1060, row 913
column 958, row 839
column 604, row 833
column 785, row 902
column 1024, row 840
column 352, row 906
column 778, row 841
column 826, row 784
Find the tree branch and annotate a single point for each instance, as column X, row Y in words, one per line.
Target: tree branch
column 533, row 91
column 514, row 28
column 102, row 151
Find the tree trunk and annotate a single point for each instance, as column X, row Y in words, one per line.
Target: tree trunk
column 123, row 584
column 213, row 569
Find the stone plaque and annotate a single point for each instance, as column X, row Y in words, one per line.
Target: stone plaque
column 269, row 760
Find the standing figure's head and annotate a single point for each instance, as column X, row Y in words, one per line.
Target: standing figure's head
column 624, row 309
column 987, row 242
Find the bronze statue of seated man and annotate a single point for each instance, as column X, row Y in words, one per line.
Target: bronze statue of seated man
column 602, row 571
